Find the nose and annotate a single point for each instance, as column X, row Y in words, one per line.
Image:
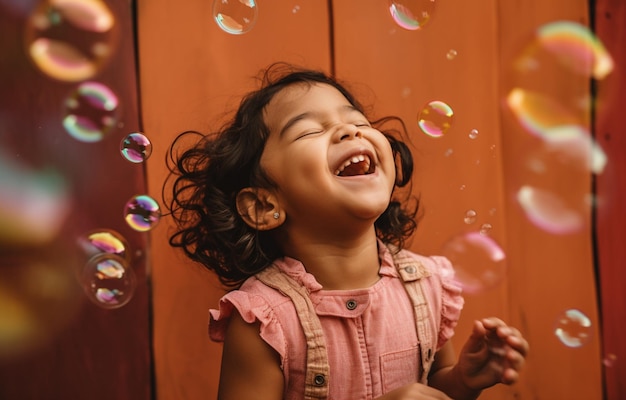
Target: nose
column 348, row 131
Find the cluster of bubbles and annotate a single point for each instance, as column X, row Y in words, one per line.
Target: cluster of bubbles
column 107, row 278
column 71, row 41
column 478, row 259
column 559, row 123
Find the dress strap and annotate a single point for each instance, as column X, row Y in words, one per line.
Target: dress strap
column 412, row 271
column 318, row 368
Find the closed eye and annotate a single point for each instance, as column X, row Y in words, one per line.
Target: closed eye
column 308, row 134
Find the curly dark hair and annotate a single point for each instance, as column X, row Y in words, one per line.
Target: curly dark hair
column 208, row 175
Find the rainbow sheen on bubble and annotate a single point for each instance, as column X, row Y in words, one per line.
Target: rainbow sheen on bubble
column 573, row 328
column 540, row 114
column 70, row 40
column 411, row 14
column 435, row 118
column 576, row 47
column 142, row 213
column 104, row 241
column 136, row 147
column 91, row 112
column 235, row 16
column 549, row 211
column 478, row 260
column 108, row 281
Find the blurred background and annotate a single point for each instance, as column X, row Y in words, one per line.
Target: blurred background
column 514, row 119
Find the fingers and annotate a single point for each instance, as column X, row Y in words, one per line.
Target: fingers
column 507, row 344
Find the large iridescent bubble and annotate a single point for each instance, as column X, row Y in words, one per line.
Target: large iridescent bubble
column 71, row 40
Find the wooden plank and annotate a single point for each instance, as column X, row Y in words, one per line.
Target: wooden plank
column 611, row 196
column 192, row 74
column 552, row 267
column 68, row 347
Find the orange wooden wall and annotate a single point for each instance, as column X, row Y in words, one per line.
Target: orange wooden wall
column 191, row 73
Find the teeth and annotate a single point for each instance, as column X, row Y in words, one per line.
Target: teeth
column 355, row 160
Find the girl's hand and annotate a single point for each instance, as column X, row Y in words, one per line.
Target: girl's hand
column 494, row 353
column 415, row 391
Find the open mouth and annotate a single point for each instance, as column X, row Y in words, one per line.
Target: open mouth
column 356, row 165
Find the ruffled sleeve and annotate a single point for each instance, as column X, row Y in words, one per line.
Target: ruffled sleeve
column 451, row 301
column 252, row 308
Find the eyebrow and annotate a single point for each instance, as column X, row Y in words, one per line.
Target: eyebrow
column 310, row 114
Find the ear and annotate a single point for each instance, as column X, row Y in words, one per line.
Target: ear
column 259, row 208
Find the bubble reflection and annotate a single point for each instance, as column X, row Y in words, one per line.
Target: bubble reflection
column 136, row 147
column 142, row 213
column 235, row 16
column 108, row 281
column 478, row 260
column 573, row 328
column 435, row 118
column 411, row 14
column 91, row 112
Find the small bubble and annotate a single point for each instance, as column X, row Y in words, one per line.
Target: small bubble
column 573, row 328
column 470, row 217
column 411, row 14
column 136, row 147
column 473, row 134
column 435, row 118
column 485, row 228
column 235, row 16
column 448, row 152
column 142, row 213
column 108, row 281
column 91, row 112
column 295, row 9
column 451, row 55
column 462, row 187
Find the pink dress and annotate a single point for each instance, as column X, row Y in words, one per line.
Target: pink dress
column 370, row 333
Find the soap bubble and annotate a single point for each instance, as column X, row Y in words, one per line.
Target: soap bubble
column 435, row 118
column 411, row 14
column 104, row 241
column 576, row 47
column 70, row 40
column 573, row 328
column 235, row 16
column 470, row 216
column 142, row 213
column 548, row 211
column 479, row 262
column 552, row 109
column 136, row 147
column 91, row 112
column 108, row 281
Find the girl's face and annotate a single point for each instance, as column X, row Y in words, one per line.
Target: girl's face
column 330, row 166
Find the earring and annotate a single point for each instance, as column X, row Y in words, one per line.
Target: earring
column 276, row 215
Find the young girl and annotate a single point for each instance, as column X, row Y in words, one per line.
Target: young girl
column 292, row 203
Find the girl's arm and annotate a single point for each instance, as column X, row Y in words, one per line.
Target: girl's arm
column 445, row 377
column 250, row 367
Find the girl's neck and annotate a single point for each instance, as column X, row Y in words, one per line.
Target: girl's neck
column 348, row 263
